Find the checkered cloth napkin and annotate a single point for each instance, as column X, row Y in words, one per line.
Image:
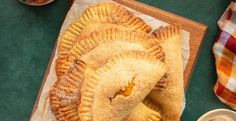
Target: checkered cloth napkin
column 225, row 53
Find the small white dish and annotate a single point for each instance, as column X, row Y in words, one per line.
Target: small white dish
column 36, row 4
column 216, row 112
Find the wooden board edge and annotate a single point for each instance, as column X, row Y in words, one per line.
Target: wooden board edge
column 162, row 14
column 44, row 79
column 191, row 63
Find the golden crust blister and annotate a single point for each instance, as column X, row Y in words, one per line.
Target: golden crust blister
column 102, row 15
column 135, row 69
column 65, row 93
column 170, row 100
column 92, row 47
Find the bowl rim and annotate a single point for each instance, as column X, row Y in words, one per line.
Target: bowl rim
column 225, row 111
column 36, row 4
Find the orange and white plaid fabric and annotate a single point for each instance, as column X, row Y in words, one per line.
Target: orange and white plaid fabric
column 225, row 54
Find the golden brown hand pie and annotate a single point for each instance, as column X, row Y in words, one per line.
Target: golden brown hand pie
column 111, row 42
column 112, row 91
column 65, row 93
column 65, row 97
column 101, row 16
column 170, row 100
column 97, row 47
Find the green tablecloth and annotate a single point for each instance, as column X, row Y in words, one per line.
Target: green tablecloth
column 28, row 35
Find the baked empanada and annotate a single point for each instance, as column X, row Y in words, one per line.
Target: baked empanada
column 64, row 96
column 101, row 16
column 113, row 90
column 97, row 47
column 170, row 100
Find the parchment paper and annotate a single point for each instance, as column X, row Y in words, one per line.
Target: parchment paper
column 43, row 111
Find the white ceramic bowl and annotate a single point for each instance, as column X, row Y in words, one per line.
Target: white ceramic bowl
column 215, row 112
column 34, row 4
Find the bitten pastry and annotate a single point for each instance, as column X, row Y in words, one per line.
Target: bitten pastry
column 64, row 96
column 111, row 42
column 97, row 47
column 170, row 100
column 112, row 91
column 101, row 16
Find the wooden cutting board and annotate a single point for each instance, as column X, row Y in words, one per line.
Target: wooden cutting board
column 197, row 33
